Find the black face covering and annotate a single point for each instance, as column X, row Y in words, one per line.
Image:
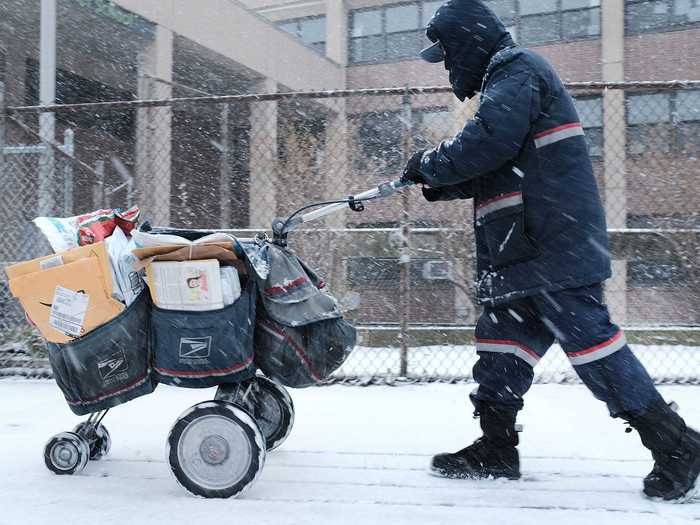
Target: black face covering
column 470, row 34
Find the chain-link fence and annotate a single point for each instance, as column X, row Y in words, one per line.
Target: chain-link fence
column 237, row 162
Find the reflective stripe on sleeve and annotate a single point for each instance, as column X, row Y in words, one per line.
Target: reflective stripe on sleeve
column 598, row 351
column 506, row 346
column 499, row 203
column 553, row 135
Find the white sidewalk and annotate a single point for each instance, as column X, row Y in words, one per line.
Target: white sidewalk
column 356, row 456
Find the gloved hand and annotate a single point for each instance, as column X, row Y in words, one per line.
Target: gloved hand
column 412, row 173
column 463, row 190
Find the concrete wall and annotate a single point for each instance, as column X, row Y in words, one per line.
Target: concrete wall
column 228, row 28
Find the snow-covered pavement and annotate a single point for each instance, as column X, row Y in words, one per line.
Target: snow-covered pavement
column 356, row 456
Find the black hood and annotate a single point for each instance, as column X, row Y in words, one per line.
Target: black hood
column 470, row 34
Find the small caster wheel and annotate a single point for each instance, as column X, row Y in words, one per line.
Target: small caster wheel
column 215, row 450
column 269, row 403
column 66, row 453
column 98, row 439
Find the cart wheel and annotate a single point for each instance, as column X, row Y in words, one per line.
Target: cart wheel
column 269, row 403
column 98, row 439
column 215, row 450
column 66, row 453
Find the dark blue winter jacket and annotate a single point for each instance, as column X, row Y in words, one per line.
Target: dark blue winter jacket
column 538, row 219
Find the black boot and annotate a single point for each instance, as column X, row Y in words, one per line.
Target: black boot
column 491, row 456
column 675, row 449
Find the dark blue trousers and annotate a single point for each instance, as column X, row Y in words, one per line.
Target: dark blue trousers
column 513, row 337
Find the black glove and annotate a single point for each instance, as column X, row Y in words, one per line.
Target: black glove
column 412, row 173
column 463, row 190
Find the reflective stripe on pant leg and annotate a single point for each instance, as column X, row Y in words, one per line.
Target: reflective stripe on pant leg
column 506, row 346
column 599, row 351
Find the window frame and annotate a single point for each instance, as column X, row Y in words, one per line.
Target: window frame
column 319, row 47
column 674, row 123
column 419, row 120
column 599, row 129
column 667, row 27
column 514, row 23
column 559, row 13
column 384, row 34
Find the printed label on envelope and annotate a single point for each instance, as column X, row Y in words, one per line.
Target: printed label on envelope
column 68, row 311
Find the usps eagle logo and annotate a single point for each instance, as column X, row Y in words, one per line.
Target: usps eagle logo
column 195, row 347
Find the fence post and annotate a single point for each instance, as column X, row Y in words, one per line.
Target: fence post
column 68, row 148
column 3, row 123
column 225, row 178
column 405, row 250
column 100, row 194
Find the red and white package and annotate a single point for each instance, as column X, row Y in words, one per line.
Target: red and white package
column 70, row 232
column 96, row 226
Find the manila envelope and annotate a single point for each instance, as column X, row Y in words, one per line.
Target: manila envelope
column 40, row 264
column 36, row 292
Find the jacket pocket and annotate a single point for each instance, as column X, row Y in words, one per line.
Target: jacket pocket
column 501, row 225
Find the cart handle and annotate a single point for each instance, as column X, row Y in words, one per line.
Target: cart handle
column 281, row 227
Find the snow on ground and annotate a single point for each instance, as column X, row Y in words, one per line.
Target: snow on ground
column 668, row 363
column 356, row 456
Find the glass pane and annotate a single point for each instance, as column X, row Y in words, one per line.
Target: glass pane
column 689, row 139
column 313, row 30
column 579, row 4
column 505, row 9
column 367, row 22
column 594, row 139
column 367, row 48
column 401, row 18
column 647, row 272
column 380, row 137
column 581, row 23
column 685, row 11
column 688, row 105
column 648, row 139
column 290, row 27
column 319, row 47
column 646, row 16
column 435, row 126
column 404, row 45
column 537, row 29
column 531, row 7
column 648, row 109
column 590, row 111
column 429, row 9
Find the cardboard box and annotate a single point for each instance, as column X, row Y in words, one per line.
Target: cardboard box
column 98, row 250
column 46, row 297
column 186, row 285
column 221, row 251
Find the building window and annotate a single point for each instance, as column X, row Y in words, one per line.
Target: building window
column 542, row 21
column 658, row 15
column 656, row 271
column 379, row 138
column 431, row 126
column 590, row 111
column 659, row 122
column 397, row 31
column 648, row 123
column 310, row 30
column 391, row 32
